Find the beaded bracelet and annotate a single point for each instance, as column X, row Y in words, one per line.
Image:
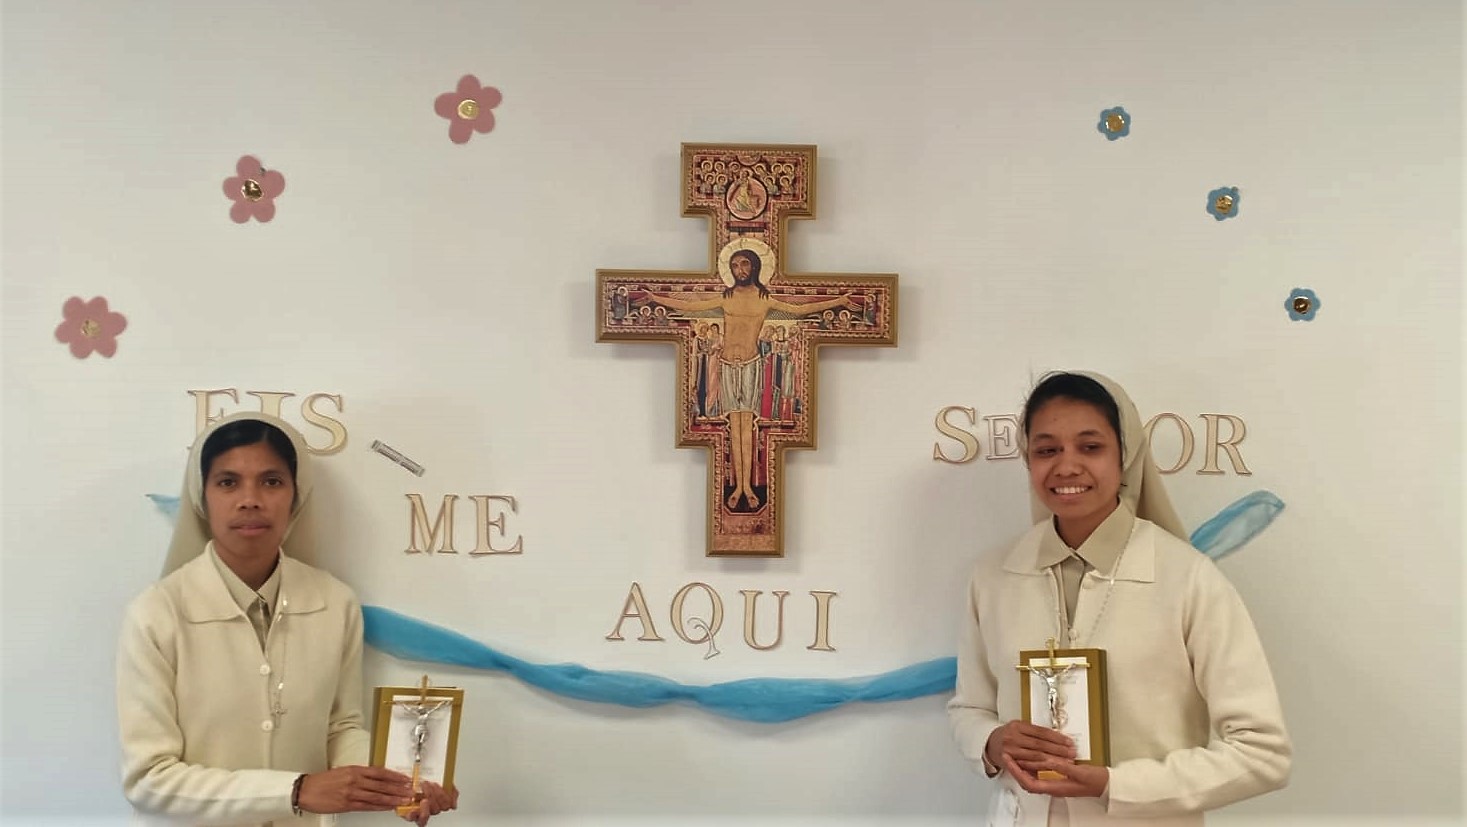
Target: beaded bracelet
column 295, row 795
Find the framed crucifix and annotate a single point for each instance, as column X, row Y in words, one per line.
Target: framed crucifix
column 415, row 732
column 1064, row 689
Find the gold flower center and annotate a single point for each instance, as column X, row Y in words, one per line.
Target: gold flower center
column 251, row 190
column 90, row 328
column 1224, row 203
column 1114, row 122
column 468, row 109
column 1301, row 304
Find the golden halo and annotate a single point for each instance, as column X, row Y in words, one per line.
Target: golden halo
column 754, row 245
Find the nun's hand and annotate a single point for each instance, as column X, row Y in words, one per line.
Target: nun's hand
column 1028, row 745
column 1079, row 780
column 435, row 800
column 354, row 789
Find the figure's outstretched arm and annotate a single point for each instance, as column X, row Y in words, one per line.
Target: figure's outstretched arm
column 683, row 304
column 847, row 302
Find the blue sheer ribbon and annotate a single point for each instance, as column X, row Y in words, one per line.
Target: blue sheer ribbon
column 764, row 700
column 1235, row 525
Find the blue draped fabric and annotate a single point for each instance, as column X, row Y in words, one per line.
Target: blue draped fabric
column 764, row 700
column 1235, row 525
column 166, row 504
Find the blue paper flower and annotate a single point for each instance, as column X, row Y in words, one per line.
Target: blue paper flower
column 1302, row 304
column 1223, row 202
column 1114, row 123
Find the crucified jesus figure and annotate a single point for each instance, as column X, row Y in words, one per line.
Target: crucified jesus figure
column 422, row 711
column 745, row 305
column 1051, row 677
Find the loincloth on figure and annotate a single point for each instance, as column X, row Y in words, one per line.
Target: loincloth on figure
column 740, row 385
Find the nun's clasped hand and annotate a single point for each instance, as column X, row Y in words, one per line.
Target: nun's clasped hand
column 354, row 789
column 1027, row 744
column 1079, row 781
column 435, row 800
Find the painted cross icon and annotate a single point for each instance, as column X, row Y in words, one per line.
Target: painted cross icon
column 747, row 331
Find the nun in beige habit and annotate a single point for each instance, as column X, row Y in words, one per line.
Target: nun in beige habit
column 1195, row 720
column 239, row 679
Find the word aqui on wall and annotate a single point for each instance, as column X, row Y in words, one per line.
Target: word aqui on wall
column 1003, row 431
column 707, row 628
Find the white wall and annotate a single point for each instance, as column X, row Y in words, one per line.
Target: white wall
column 446, row 293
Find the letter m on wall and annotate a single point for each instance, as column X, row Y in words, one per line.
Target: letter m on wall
column 419, row 529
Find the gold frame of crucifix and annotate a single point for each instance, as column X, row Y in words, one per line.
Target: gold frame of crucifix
column 384, row 724
column 1096, row 702
column 748, row 214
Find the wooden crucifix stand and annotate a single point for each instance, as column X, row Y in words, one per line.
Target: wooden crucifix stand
column 747, row 331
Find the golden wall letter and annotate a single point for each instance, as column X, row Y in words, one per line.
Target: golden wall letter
column 1209, row 466
column 485, row 545
column 203, row 418
column 1003, row 429
column 751, row 606
column 635, row 606
column 419, row 526
column 714, row 623
column 1186, row 432
column 270, row 401
column 822, row 622
column 332, row 426
column 955, row 432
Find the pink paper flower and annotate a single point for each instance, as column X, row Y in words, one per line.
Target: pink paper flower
column 469, row 108
column 89, row 326
column 253, row 190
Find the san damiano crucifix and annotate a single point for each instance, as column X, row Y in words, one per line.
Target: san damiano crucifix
column 747, row 331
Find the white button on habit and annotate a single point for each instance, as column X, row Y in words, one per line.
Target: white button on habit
column 267, row 725
column 264, row 669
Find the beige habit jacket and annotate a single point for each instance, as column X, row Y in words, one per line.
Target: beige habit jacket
column 215, row 731
column 1195, row 719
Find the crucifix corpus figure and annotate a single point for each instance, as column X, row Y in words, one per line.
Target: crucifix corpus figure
column 747, row 331
column 1052, row 675
column 745, row 306
column 422, row 709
